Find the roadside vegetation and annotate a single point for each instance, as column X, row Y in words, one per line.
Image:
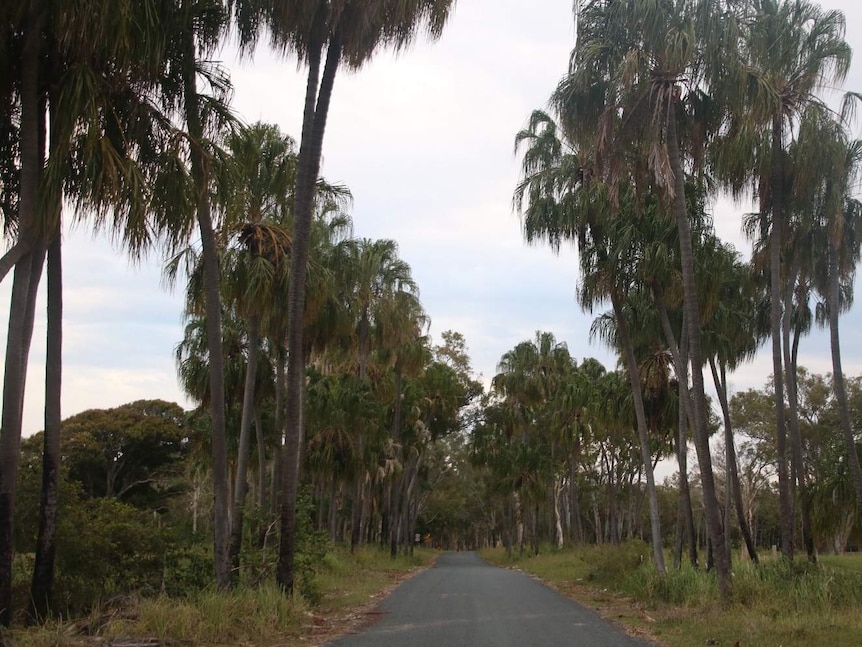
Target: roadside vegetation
column 340, row 594
column 776, row 603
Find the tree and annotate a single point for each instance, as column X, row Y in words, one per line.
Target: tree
column 197, row 28
column 258, row 204
column 634, row 69
column 352, row 32
column 789, row 51
column 127, row 452
column 87, row 76
column 840, row 216
column 567, row 202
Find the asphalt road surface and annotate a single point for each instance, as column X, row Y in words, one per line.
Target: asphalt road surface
column 464, row 602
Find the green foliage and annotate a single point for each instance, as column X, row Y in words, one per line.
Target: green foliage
column 131, row 452
column 106, row 548
column 188, row 570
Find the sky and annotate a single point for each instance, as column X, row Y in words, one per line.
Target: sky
column 425, row 142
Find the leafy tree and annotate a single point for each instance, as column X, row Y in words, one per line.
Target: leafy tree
column 130, row 453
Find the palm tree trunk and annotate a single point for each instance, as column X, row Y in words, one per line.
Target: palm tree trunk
column 395, row 484
column 777, row 179
column 22, row 305
column 685, row 484
column 798, row 481
column 686, row 420
column 11, row 258
column 278, row 458
column 240, row 488
column 308, row 168
column 212, row 301
column 732, row 469
column 261, row 462
column 838, row 373
column 643, row 436
column 692, row 314
column 577, row 529
column 41, row 590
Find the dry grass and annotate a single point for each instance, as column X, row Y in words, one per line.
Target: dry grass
column 346, row 589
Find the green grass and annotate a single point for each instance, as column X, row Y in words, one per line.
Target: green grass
column 776, row 604
column 243, row 616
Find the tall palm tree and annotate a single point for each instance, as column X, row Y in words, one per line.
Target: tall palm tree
column 197, row 28
column 95, row 83
column 377, row 276
column 729, row 339
column 838, row 160
column 790, row 50
column 21, row 306
column 634, row 70
column 351, row 31
column 258, row 202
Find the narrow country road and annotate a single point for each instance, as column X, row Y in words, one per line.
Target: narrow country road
column 464, row 602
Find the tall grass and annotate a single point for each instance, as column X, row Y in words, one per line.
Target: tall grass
column 259, row 615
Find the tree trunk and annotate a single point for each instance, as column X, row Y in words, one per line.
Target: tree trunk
column 42, row 585
column 22, row 306
column 308, row 168
column 799, row 475
column 277, row 466
column 577, row 528
column 11, row 258
column 395, row 484
column 643, row 436
column 777, row 180
column 686, row 420
column 240, row 488
column 261, row 462
column 692, row 315
column 732, row 469
column 212, row 305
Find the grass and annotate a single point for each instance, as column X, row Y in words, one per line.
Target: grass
column 341, row 593
column 776, row 604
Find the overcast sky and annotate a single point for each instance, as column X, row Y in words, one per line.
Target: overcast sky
column 425, row 143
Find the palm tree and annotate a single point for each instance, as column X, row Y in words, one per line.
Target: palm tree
column 729, row 339
column 22, row 305
column 96, row 88
column 632, row 66
column 566, row 202
column 197, row 28
column 838, row 161
column 258, row 199
column 377, row 275
column 402, row 340
column 352, row 32
column 789, row 50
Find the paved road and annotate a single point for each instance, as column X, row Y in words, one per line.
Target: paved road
column 464, row 602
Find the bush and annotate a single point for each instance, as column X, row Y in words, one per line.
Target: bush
column 610, row 563
column 106, row 548
column 187, row 569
